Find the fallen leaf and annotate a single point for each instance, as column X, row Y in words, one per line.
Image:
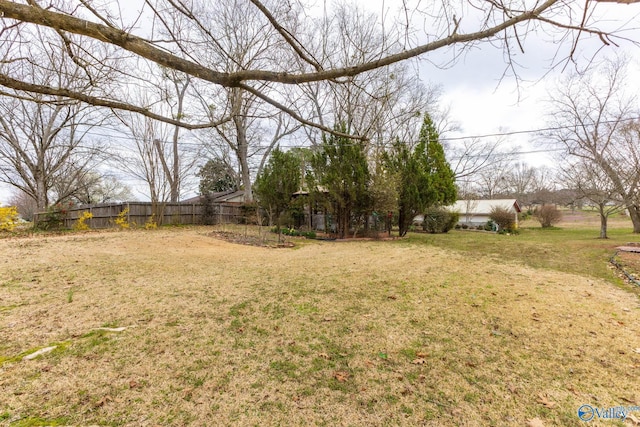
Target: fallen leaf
column 535, row 422
column 328, row 319
column 369, row 363
column 422, row 354
column 635, row 420
column 341, row 376
column 324, row 356
column 546, row 402
column 512, row 388
column 103, row 401
column 419, row 361
column 392, row 297
column 637, row 350
column 133, row 384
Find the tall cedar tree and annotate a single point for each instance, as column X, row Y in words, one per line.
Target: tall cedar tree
column 425, row 179
column 341, row 168
column 442, row 182
column 275, row 186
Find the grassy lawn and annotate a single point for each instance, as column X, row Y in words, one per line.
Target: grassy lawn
column 460, row 329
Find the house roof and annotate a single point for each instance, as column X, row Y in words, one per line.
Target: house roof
column 220, row 197
column 484, row 207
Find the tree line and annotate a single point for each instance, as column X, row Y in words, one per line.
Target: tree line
column 157, row 89
column 338, row 175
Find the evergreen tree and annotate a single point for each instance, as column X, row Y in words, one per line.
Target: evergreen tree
column 275, row 186
column 442, row 185
column 216, row 176
column 425, row 179
column 341, row 168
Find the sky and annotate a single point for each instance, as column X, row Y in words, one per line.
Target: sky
column 481, row 103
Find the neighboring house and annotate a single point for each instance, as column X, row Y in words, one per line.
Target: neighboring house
column 476, row 212
column 230, row 196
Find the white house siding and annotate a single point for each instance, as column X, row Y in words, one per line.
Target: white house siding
column 476, row 212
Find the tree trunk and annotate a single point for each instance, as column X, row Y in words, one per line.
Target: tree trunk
column 244, row 164
column 42, row 199
column 402, row 223
column 603, row 223
column 634, row 214
column 242, row 146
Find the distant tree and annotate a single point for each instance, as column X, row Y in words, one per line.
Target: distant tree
column 95, row 188
column 26, row 204
column 593, row 117
column 520, row 182
column 425, row 179
column 341, row 168
column 216, row 176
column 277, row 182
column 591, row 183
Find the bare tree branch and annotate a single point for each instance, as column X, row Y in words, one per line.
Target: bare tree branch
column 145, row 49
column 100, row 102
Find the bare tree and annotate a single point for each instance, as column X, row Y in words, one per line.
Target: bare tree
column 595, row 121
column 444, row 26
column 144, row 159
column 44, row 149
column 175, row 97
column 492, row 179
column 519, row 180
column 592, row 184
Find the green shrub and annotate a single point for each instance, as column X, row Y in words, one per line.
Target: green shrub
column 439, row 220
column 55, row 216
column 295, row 233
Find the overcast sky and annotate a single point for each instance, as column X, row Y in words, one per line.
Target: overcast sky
column 483, row 104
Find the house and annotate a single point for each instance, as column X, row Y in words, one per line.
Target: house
column 230, row 196
column 476, row 212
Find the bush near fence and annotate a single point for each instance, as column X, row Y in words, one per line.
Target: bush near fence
column 140, row 213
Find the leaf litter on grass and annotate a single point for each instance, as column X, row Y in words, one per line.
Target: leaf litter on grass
column 188, row 295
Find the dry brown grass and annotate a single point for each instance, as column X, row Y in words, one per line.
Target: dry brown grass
column 328, row 333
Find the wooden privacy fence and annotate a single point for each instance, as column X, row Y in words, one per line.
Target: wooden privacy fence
column 140, row 213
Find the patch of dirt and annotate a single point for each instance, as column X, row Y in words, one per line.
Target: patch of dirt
column 249, row 240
